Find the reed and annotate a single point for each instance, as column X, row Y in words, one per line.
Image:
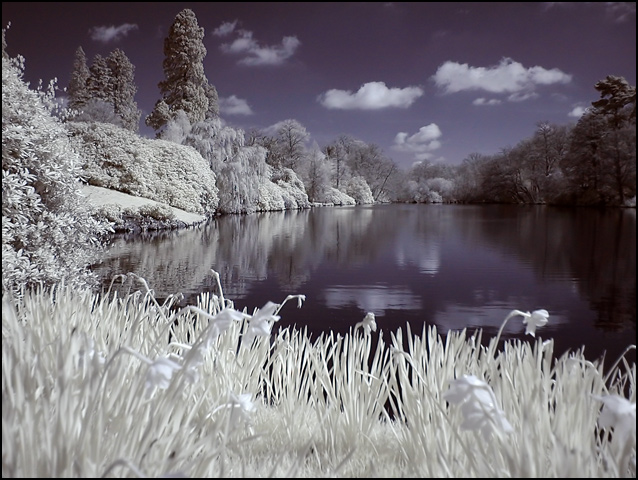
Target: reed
column 107, row 385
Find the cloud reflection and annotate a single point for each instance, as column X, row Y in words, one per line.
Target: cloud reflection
column 376, row 298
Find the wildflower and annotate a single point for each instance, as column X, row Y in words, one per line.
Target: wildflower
column 240, row 407
column 300, row 299
column 218, row 324
column 260, row 323
column 368, row 323
column 619, row 413
column 242, row 404
column 223, row 320
column 538, row 318
column 478, row 405
column 159, row 373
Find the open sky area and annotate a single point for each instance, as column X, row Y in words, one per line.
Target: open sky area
column 422, row 80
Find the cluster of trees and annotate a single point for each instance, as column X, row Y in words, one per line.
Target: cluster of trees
column 105, row 91
column 590, row 163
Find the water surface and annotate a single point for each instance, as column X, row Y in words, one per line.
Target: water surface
column 451, row 266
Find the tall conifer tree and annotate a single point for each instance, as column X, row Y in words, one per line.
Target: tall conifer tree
column 123, row 89
column 77, row 89
column 185, row 86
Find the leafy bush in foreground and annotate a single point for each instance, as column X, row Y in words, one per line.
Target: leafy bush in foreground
column 48, row 233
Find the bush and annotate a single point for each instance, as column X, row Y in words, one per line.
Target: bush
column 48, row 232
column 155, row 169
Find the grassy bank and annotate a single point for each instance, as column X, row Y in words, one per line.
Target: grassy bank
column 98, row 386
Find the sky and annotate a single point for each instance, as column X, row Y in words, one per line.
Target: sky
column 424, row 81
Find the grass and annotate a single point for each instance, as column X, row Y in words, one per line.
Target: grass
column 79, row 398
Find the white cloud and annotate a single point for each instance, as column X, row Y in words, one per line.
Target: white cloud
column 254, row 54
column 521, row 96
column 106, row 34
column 225, row 29
column 484, row 101
column 577, row 112
column 421, row 144
column 506, row 77
column 234, row 106
column 371, row 96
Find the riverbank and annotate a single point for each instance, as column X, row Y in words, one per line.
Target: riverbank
column 133, row 214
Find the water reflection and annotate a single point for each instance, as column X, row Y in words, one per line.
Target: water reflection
column 453, row 266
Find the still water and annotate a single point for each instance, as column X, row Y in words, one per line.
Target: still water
column 451, row 266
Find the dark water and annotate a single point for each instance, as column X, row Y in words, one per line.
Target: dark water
column 449, row 265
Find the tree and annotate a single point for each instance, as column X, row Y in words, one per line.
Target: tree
column 291, row 139
column 99, row 83
column 601, row 163
column 104, row 92
column 618, row 106
column 316, row 176
column 337, row 155
column 369, row 162
column 123, row 89
column 240, row 169
column 78, row 88
column 185, row 86
column 48, row 232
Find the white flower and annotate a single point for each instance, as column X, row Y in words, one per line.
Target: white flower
column 159, row 373
column 260, row 323
column 240, row 407
column 223, row 320
column 538, row 318
column 368, row 323
column 218, row 324
column 478, row 405
column 619, row 413
column 242, row 403
column 300, row 299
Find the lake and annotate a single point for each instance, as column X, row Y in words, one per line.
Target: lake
column 453, row 266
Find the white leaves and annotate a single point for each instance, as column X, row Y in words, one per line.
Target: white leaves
column 42, row 213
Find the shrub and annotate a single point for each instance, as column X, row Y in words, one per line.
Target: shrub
column 48, row 233
column 155, row 169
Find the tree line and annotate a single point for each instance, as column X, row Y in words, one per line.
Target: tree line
column 592, row 162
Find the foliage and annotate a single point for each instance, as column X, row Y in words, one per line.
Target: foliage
column 48, row 233
column 316, row 177
column 602, row 160
column 331, row 196
column 239, row 168
column 292, row 188
column 591, row 163
column 185, row 86
column 357, row 188
column 210, row 391
column 105, row 91
column 77, row 91
column 155, row 169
